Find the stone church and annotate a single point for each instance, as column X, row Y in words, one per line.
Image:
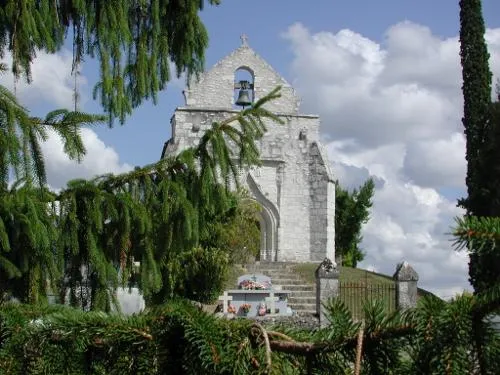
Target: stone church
column 294, row 185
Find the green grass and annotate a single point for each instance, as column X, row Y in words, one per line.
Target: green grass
column 351, row 275
column 347, row 274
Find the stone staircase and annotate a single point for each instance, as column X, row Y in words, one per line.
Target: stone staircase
column 303, row 297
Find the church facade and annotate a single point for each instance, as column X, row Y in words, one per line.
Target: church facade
column 294, row 185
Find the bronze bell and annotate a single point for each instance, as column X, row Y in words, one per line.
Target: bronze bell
column 243, row 99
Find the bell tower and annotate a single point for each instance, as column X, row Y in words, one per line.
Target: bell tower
column 293, row 185
column 244, row 82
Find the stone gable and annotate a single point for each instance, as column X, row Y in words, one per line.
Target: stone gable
column 215, row 88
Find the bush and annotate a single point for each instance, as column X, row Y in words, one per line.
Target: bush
column 204, row 274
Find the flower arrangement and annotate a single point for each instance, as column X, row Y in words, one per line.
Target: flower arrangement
column 254, row 285
column 231, row 309
column 245, row 308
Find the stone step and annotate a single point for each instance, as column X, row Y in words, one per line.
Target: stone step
column 282, row 274
column 301, row 300
column 276, row 281
column 307, row 312
column 279, row 276
column 273, row 271
column 299, row 288
column 266, row 263
column 303, row 293
column 269, row 266
column 301, row 307
column 309, row 308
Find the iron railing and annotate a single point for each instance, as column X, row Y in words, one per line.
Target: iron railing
column 354, row 295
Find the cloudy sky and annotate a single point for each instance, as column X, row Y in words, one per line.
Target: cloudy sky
column 383, row 75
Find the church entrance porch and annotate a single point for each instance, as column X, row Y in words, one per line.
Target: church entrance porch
column 268, row 236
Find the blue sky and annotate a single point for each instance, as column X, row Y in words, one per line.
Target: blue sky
column 141, row 140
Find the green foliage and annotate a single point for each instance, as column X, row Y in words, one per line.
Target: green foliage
column 434, row 338
column 240, row 233
column 440, row 350
column 477, row 100
column 479, row 230
column 351, row 212
column 490, row 157
column 201, row 274
column 65, row 341
column 133, row 41
column 482, row 127
column 82, row 243
column 483, row 235
column 28, row 237
column 20, row 137
column 176, row 337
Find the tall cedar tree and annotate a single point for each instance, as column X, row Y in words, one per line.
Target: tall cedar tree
column 481, row 143
column 134, row 41
column 352, row 210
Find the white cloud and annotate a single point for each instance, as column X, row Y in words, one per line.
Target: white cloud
column 392, row 111
column 99, row 159
column 52, row 83
column 52, row 87
column 437, row 163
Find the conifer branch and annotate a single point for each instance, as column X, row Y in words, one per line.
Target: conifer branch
column 135, row 43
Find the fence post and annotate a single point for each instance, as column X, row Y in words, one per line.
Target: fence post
column 327, row 286
column 406, row 279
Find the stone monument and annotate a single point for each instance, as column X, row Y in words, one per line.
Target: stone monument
column 294, row 185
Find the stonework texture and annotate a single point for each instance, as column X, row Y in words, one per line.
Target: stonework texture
column 327, row 287
column 294, row 185
column 406, row 279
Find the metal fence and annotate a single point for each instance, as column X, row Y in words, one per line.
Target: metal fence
column 355, row 294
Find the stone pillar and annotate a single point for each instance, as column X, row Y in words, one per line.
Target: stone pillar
column 327, row 286
column 406, row 279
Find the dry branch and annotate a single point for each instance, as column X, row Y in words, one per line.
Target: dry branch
column 305, row 348
column 262, row 330
column 359, row 349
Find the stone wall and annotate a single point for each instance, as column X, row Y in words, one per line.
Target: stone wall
column 293, row 184
column 215, row 88
column 293, row 177
column 322, row 205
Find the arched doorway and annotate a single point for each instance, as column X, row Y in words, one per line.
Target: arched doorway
column 269, row 222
